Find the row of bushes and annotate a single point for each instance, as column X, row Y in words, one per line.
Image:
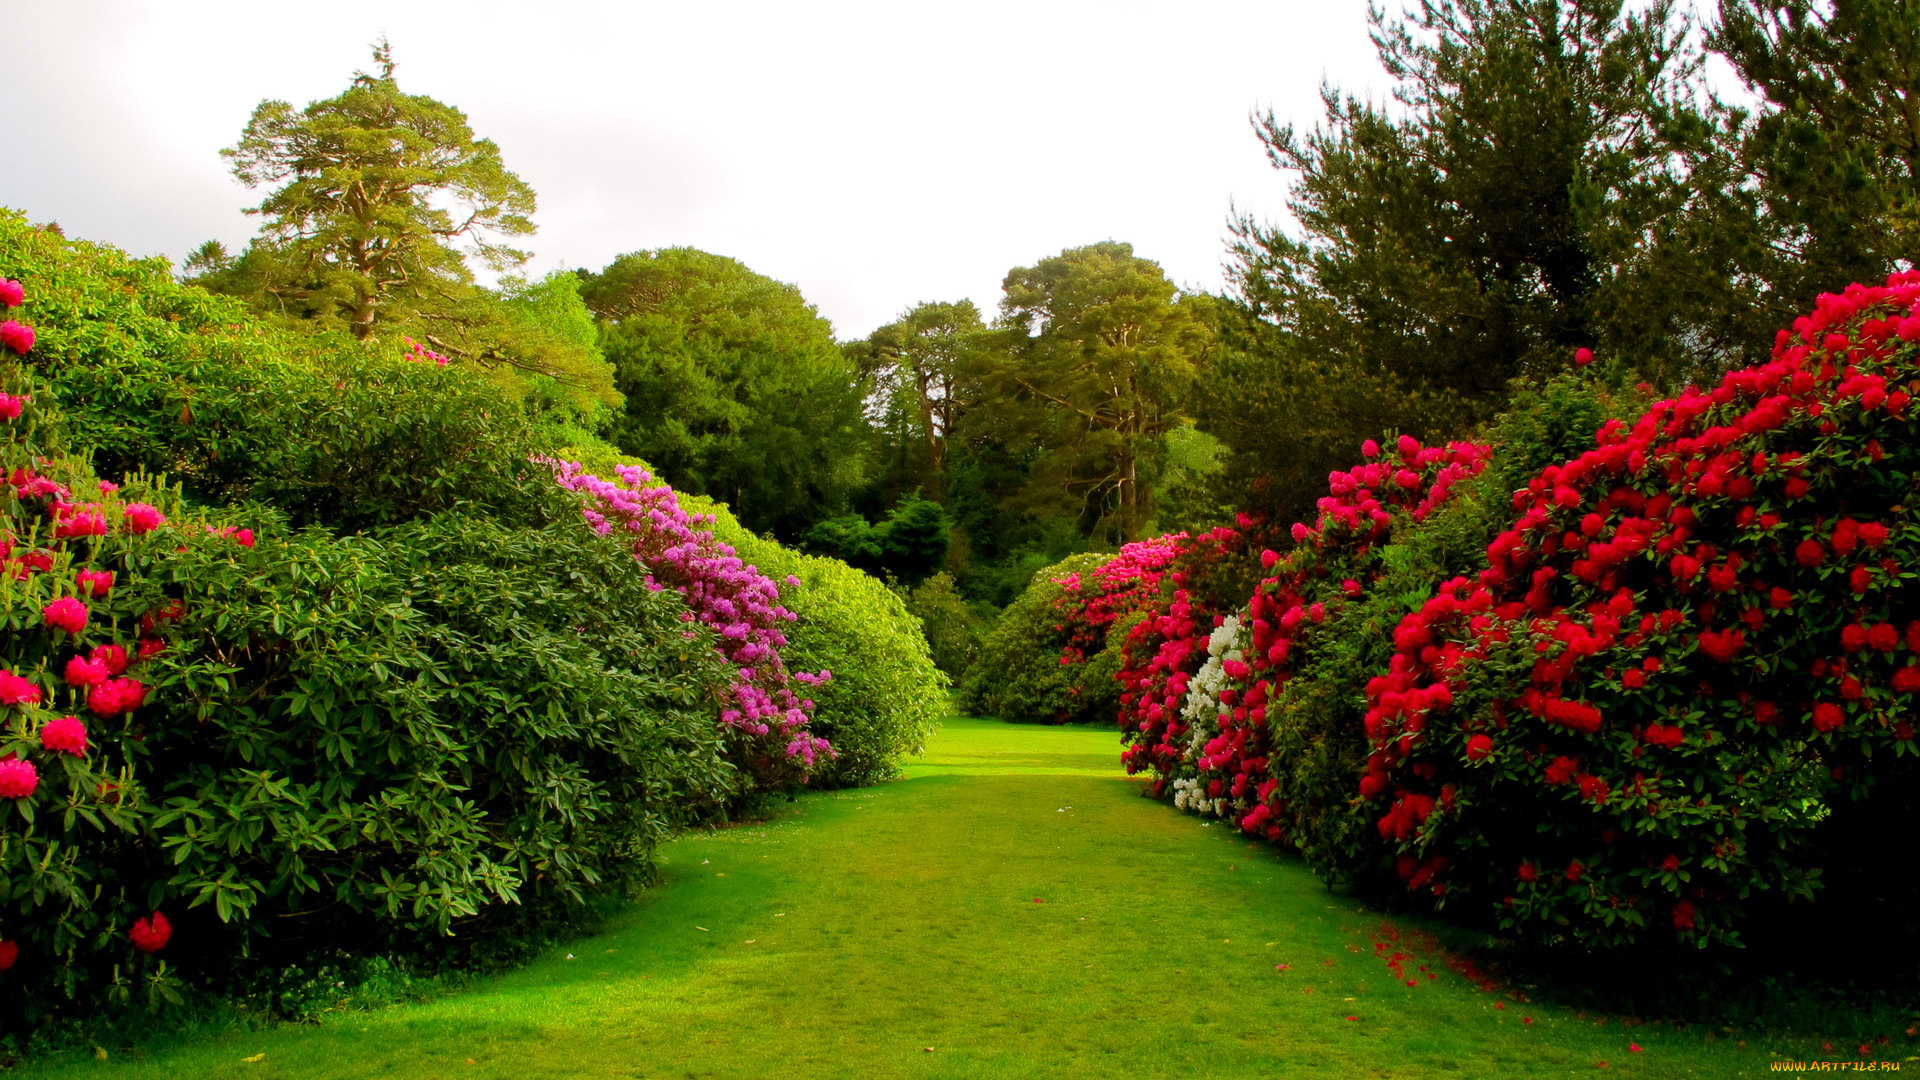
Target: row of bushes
column 339, row 651
column 1608, row 676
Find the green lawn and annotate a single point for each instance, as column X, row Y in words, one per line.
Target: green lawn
column 1011, row 909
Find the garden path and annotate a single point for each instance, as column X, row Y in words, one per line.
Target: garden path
column 1010, row 909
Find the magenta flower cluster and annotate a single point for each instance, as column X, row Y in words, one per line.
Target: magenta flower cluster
column 735, row 600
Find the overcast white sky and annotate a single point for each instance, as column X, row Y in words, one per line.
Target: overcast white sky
column 875, row 154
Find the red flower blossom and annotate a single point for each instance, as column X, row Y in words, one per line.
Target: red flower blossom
column 1827, row 716
column 94, row 583
column 1582, row 356
column 1683, row 915
column 115, row 697
column 150, row 935
column 1561, row 770
column 1810, row 553
column 9, row 954
column 1528, row 872
column 1479, row 747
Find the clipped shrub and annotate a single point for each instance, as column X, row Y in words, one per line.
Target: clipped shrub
column 1697, row 638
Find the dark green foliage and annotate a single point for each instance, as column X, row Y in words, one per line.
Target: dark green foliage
column 1017, row 675
column 150, row 374
column 735, row 388
column 955, row 627
column 1829, row 163
column 911, row 544
column 1529, row 197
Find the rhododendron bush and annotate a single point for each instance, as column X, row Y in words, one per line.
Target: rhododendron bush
column 1212, row 708
column 1612, row 706
column 726, row 595
column 228, row 740
column 1695, row 638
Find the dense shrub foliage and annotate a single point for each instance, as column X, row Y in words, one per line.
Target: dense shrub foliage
column 237, row 739
column 954, row 626
column 1018, row 675
column 151, row 374
column 1612, row 706
column 1695, row 639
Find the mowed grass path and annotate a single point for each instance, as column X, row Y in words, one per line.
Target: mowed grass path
column 894, row 932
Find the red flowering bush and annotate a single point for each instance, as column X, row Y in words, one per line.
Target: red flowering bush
column 1202, row 706
column 1695, row 638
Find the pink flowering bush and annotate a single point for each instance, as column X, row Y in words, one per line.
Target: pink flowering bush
column 734, row 600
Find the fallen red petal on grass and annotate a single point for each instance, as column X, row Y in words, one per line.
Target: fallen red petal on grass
column 1635, row 1047
column 1413, row 982
column 1037, row 900
column 1282, row 967
column 1354, row 1019
column 1526, row 1019
column 1499, row 1004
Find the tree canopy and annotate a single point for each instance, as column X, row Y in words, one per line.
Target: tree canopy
column 735, row 387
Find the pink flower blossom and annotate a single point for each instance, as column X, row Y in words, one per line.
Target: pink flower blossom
column 111, row 657
column 12, row 293
column 116, row 696
column 84, row 672
column 66, row 614
column 94, row 583
column 15, row 690
column 1582, row 357
column 16, row 336
column 18, row 778
column 11, row 404
column 142, row 517
column 66, row 735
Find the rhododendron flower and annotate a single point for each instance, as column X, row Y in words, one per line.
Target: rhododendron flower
column 1683, row 915
column 1827, row 716
column 1479, row 747
column 1907, row 679
column 1528, row 872
column 111, row 657
column 1810, row 553
column 12, row 293
column 66, row 735
column 16, row 336
column 15, row 690
column 151, row 647
column 9, row 954
column 17, row 778
column 84, row 672
column 140, row 517
column 1582, row 357
column 11, row 405
column 94, row 583
column 66, row 614
column 116, row 696
column 150, row 935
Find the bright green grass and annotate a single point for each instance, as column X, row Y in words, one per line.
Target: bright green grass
column 892, row 932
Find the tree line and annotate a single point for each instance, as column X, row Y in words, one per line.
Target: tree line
column 1546, row 177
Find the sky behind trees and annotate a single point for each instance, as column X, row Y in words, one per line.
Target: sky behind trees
column 875, row 154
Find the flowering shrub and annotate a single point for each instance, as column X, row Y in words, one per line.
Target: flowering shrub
column 1696, row 637
column 1017, row 675
column 736, row 601
column 1210, row 706
column 212, row 723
